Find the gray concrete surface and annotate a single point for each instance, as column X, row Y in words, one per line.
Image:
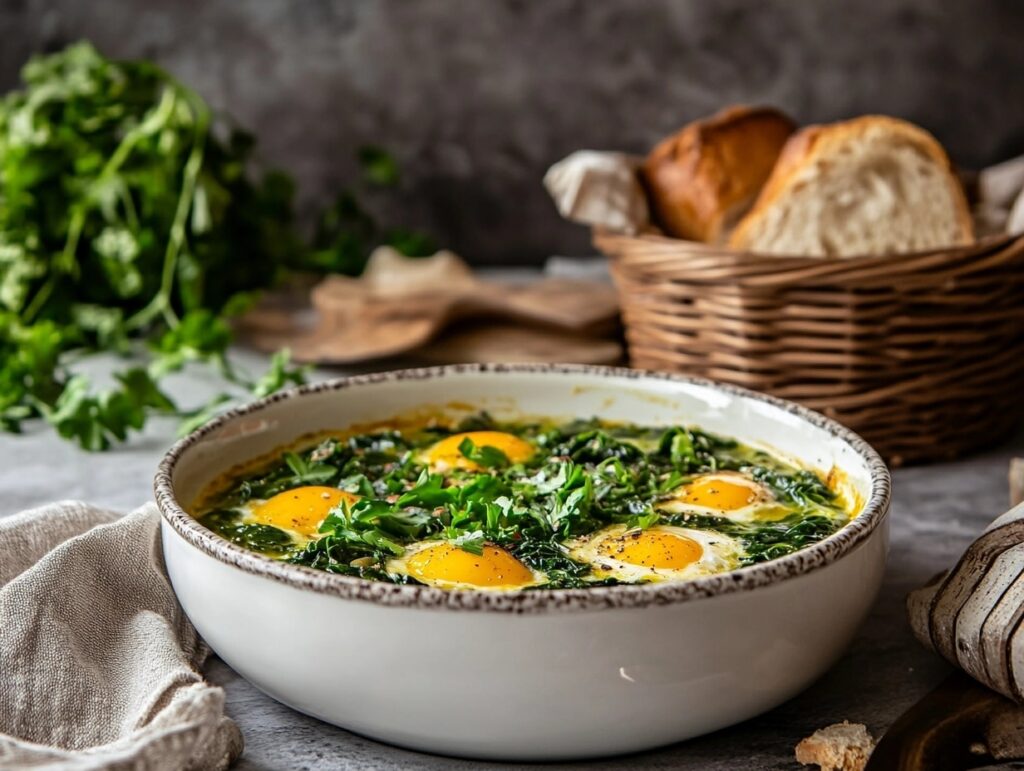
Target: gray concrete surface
column 937, row 511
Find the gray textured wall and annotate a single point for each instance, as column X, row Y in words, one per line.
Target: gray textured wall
column 478, row 97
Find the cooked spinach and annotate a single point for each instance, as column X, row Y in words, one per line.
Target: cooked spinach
column 261, row 538
column 585, row 475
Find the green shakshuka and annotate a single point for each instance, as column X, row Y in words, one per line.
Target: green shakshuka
column 508, row 506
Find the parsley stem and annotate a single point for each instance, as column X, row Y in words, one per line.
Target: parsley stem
column 66, row 261
column 40, row 298
column 161, row 302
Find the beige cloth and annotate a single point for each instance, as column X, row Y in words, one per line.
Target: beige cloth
column 98, row 663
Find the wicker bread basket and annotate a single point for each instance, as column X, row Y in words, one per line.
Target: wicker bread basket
column 922, row 354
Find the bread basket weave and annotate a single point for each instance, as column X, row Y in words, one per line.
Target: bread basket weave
column 922, row 354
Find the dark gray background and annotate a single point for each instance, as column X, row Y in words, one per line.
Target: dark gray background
column 478, row 97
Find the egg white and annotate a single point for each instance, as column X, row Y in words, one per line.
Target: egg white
column 762, row 507
column 720, row 553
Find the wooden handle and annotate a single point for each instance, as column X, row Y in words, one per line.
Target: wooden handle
column 944, row 731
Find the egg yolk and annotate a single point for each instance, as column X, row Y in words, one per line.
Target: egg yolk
column 716, row 492
column 301, row 509
column 445, row 454
column 652, row 549
column 447, row 563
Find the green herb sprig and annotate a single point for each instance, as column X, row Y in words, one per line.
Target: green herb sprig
column 132, row 222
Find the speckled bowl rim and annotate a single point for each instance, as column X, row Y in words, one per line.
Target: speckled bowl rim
column 745, row 579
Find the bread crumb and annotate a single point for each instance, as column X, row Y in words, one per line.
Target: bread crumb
column 839, row 747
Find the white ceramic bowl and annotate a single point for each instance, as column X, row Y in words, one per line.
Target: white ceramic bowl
column 531, row 675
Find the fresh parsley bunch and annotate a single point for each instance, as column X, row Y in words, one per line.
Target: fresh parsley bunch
column 129, row 224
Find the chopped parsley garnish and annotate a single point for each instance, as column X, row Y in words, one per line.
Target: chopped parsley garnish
column 583, row 477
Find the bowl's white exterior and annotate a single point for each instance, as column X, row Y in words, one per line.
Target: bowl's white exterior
column 529, row 687
column 560, row 682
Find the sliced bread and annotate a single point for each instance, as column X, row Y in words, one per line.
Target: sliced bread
column 703, row 178
column 869, row 186
column 839, row 747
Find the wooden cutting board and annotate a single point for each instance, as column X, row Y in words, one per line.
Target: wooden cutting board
column 436, row 309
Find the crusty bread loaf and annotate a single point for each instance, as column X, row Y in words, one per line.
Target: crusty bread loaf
column 703, row 178
column 839, row 747
column 872, row 185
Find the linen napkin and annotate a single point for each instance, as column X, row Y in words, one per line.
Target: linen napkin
column 99, row 666
column 600, row 189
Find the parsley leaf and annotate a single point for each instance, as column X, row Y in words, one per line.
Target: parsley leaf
column 484, row 456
